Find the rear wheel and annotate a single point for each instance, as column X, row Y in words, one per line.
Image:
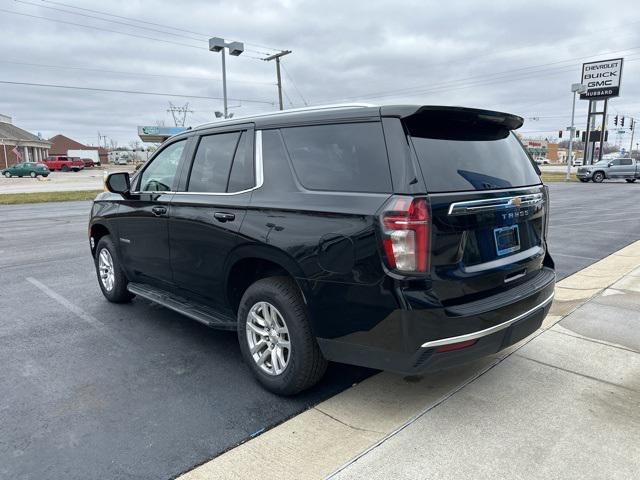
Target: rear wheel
column 111, row 278
column 598, row 177
column 276, row 339
column 33, row 174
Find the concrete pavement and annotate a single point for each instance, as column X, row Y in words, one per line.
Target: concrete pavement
column 563, row 403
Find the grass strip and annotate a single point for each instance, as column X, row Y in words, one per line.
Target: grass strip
column 41, row 197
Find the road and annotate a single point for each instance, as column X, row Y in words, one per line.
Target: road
column 96, row 390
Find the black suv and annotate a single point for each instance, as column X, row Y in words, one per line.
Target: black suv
column 402, row 238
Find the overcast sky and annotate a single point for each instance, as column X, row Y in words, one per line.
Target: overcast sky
column 514, row 56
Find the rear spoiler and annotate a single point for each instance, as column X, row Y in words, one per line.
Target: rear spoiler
column 457, row 114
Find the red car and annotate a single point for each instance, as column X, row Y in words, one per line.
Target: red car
column 88, row 162
column 63, row 163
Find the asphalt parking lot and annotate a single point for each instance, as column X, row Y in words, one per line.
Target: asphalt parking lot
column 96, row 390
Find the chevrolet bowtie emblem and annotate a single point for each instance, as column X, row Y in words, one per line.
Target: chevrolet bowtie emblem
column 516, row 201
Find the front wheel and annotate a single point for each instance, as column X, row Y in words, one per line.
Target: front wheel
column 276, row 339
column 598, row 177
column 111, row 278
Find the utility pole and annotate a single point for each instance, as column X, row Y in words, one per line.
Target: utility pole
column 633, row 130
column 179, row 114
column 277, row 57
column 575, row 88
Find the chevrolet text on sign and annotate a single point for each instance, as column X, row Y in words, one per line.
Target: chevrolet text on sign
column 602, row 79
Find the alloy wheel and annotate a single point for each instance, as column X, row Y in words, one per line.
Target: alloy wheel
column 105, row 269
column 268, row 338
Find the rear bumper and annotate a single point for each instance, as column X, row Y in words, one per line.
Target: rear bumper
column 410, row 341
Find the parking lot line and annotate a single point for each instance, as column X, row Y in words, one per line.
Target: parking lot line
column 81, row 314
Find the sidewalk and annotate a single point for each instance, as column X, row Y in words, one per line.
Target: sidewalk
column 566, row 405
column 563, row 403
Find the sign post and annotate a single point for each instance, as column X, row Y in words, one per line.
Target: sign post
column 602, row 81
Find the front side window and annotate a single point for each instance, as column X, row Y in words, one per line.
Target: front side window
column 161, row 172
column 210, row 170
column 348, row 157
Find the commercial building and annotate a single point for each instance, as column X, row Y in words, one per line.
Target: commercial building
column 60, row 145
column 18, row 145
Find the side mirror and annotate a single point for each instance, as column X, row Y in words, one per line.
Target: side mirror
column 610, row 164
column 118, row 182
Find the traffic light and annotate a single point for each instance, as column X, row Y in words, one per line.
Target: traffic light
column 577, row 133
column 559, row 133
column 606, row 135
column 584, row 136
column 622, row 122
column 615, row 121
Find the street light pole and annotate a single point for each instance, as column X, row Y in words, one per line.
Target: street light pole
column 575, row 88
column 217, row 44
column 276, row 57
column 224, row 84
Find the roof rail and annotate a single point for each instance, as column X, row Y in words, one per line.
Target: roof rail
column 337, row 106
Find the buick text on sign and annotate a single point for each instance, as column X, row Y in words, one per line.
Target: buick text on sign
column 602, row 79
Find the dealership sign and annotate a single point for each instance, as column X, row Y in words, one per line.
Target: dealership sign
column 602, row 79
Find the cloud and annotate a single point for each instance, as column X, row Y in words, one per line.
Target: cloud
column 508, row 55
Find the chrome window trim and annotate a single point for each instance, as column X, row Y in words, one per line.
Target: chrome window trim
column 485, row 204
column 495, row 190
column 486, row 331
column 259, row 172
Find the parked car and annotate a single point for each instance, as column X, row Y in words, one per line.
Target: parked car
column 542, row 161
column 577, row 162
column 88, row 162
column 26, row 169
column 401, row 238
column 63, row 163
column 626, row 168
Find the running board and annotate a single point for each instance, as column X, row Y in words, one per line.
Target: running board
column 194, row 310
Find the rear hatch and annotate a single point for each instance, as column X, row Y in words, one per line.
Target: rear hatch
column 488, row 207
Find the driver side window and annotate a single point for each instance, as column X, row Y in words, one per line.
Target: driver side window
column 161, row 172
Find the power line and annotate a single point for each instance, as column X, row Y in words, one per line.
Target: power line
column 286, row 72
column 148, row 23
column 121, row 72
column 136, row 92
column 463, row 82
column 102, row 29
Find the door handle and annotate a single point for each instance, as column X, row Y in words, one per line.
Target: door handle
column 159, row 211
column 224, row 217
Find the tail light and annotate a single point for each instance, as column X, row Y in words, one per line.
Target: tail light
column 405, row 232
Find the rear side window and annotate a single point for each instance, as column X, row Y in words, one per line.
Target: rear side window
column 627, row 161
column 469, row 155
column 343, row 157
column 242, row 175
column 210, row 170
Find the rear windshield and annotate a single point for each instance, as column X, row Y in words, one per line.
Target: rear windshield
column 470, row 156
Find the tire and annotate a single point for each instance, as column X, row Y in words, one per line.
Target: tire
column 64, row 168
column 584, row 180
column 115, row 290
column 7, row 174
column 630, row 180
column 598, row 177
column 33, row 174
column 303, row 363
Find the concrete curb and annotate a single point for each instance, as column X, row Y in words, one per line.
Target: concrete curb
column 330, row 436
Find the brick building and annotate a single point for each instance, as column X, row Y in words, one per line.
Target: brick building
column 60, row 145
column 31, row 147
